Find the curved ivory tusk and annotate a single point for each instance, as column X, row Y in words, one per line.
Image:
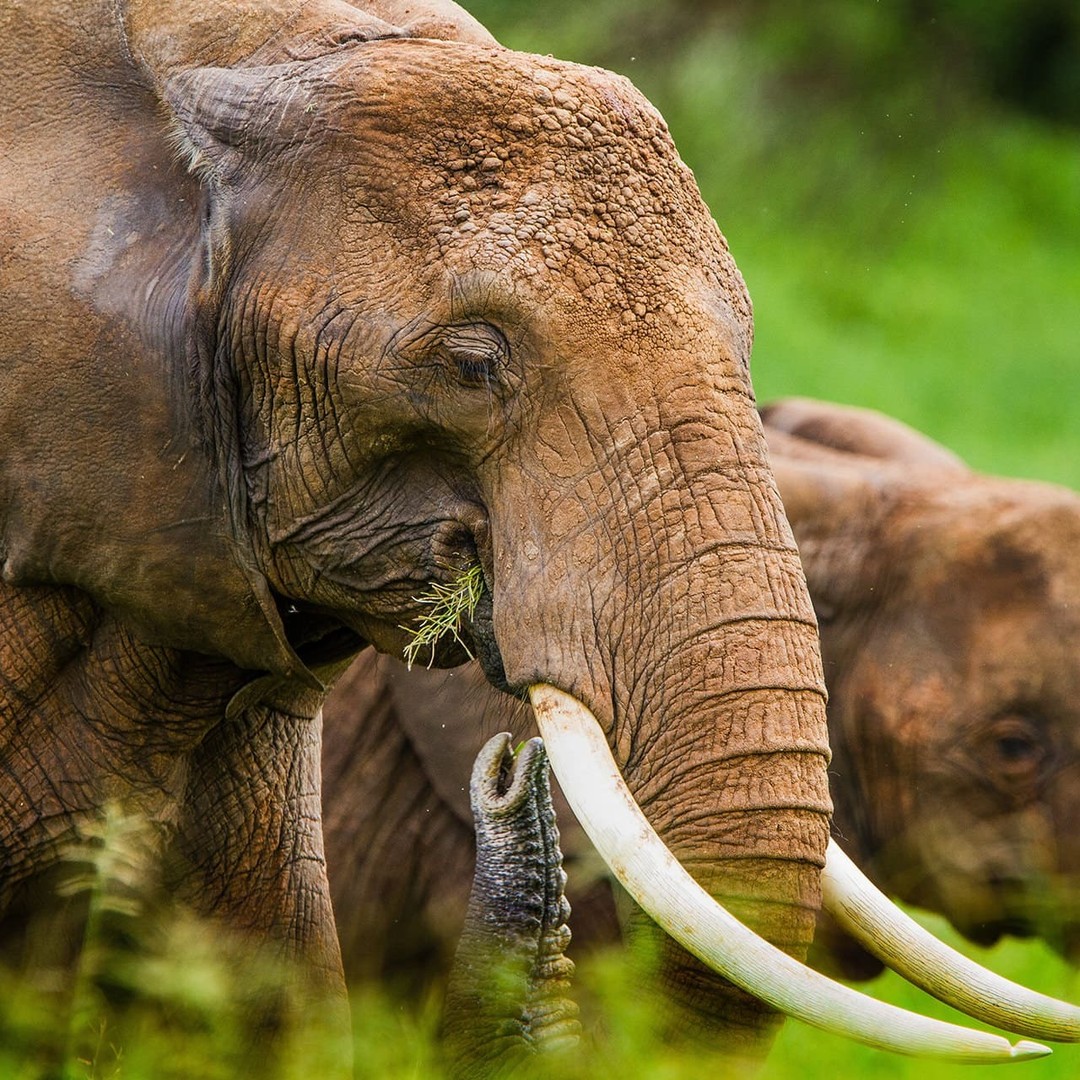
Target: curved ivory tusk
column 598, row 795
column 871, row 918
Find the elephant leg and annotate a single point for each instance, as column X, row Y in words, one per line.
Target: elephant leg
column 400, row 859
column 508, row 997
column 248, row 855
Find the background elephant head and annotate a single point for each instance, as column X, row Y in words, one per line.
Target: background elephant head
column 335, row 312
column 950, row 635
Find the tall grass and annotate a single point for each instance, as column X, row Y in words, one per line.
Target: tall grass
column 393, row 1039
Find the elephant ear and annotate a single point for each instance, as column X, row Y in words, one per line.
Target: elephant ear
column 857, row 431
column 228, row 119
column 165, row 39
column 439, row 19
column 232, row 113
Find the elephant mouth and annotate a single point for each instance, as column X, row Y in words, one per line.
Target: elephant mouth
column 480, row 634
column 317, row 637
column 322, row 638
column 986, row 934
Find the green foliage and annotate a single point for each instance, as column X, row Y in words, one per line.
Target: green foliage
column 152, row 991
column 447, row 605
column 200, row 1035
column 158, row 997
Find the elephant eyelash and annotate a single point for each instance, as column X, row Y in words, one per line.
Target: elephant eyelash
column 474, row 355
column 471, row 368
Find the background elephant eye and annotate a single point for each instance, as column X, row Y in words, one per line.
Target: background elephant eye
column 475, row 354
column 1016, row 749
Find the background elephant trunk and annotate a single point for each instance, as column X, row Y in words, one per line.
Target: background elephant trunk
column 693, row 642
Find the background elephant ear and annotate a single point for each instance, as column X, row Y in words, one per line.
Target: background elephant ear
column 838, row 507
column 857, row 431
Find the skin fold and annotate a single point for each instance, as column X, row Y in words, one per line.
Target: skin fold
column 950, row 644
column 301, row 311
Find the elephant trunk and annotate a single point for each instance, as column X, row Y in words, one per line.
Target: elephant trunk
column 692, row 640
column 731, row 775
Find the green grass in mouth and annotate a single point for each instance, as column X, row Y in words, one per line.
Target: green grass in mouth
column 447, row 605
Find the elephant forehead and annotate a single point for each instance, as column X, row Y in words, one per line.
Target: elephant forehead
column 1014, row 544
column 551, row 168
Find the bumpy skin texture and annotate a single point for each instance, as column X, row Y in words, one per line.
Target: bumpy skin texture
column 298, row 313
column 950, row 634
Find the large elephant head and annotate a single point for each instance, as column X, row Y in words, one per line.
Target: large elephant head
column 412, row 307
column 471, row 311
column 366, row 310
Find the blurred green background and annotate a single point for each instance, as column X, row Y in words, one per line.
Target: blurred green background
column 900, row 184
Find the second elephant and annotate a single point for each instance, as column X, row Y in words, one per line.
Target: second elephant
column 950, row 649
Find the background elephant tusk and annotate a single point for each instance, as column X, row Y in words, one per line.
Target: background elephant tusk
column 913, row 952
column 598, row 795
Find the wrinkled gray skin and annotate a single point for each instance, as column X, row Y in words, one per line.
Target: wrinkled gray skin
column 301, row 310
column 951, row 636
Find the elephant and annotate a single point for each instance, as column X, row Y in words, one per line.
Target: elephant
column 949, row 642
column 950, row 636
column 307, row 306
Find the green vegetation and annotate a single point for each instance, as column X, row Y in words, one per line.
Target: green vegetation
column 447, row 605
column 184, row 1023
column 393, row 1041
column 157, row 998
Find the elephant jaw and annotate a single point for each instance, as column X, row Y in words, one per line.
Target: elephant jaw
column 604, row 806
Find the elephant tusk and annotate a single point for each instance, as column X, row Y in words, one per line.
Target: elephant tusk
column 598, row 795
column 895, row 938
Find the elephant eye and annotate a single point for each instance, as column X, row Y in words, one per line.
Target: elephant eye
column 1015, row 749
column 474, row 354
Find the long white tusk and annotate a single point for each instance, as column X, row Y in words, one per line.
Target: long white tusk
column 598, row 795
column 871, row 918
